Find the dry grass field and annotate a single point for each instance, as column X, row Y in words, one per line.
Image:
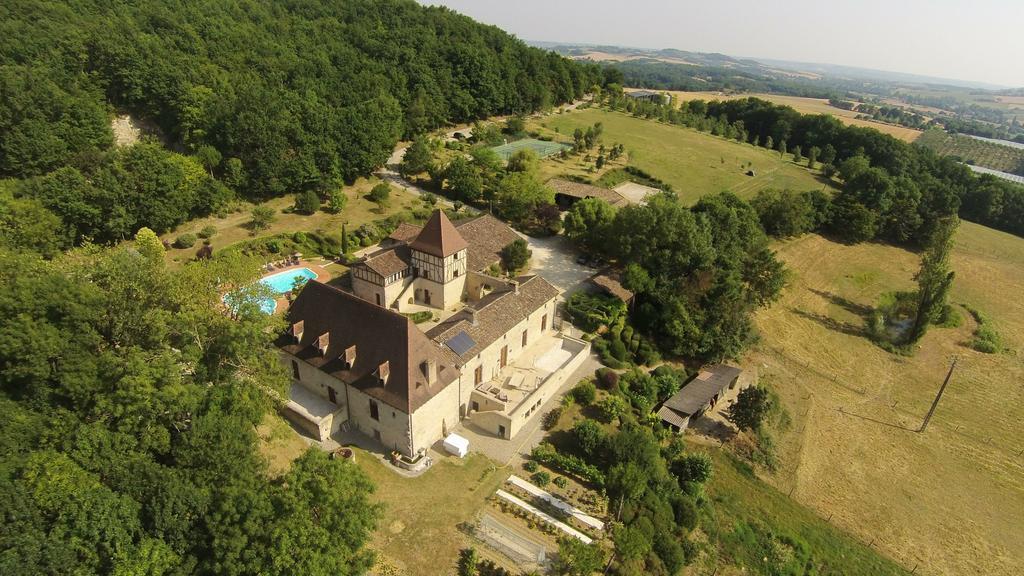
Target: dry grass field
column 950, row 500
column 809, row 106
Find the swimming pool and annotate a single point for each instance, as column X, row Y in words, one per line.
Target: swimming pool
column 283, row 281
column 279, row 283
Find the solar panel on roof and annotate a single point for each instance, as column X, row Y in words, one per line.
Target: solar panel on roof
column 460, row 343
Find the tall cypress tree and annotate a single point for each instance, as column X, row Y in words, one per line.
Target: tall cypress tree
column 934, row 279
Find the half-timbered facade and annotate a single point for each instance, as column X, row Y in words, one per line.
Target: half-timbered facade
column 428, row 266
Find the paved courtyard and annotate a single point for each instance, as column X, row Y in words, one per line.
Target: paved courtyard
column 554, row 258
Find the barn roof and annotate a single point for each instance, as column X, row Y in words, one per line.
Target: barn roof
column 699, row 391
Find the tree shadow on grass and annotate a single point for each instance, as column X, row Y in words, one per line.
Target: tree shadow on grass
column 832, row 323
column 563, row 440
column 848, row 305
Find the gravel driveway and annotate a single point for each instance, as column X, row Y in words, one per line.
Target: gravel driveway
column 554, row 258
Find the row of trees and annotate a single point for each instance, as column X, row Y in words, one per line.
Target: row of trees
column 894, row 190
column 130, row 399
column 907, row 189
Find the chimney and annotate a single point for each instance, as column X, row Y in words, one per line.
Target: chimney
column 515, row 286
column 473, row 316
column 430, row 371
column 322, row 342
column 383, row 371
column 297, row 330
column 350, row 356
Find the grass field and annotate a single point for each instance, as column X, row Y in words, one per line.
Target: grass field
column 693, row 162
column 951, row 500
column 982, row 153
column 233, row 228
column 809, row 106
column 741, row 501
column 543, row 148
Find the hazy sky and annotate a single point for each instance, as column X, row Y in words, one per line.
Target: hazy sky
column 979, row 40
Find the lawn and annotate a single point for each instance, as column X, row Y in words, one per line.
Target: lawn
column 810, row 106
column 234, row 227
column 279, row 444
column 950, row 500
column 418, row 531
column 694, row 163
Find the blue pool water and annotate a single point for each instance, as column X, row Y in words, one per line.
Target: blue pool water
column 283, row 281
column 279, row 283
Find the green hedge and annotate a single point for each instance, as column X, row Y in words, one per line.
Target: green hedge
column 546, row 454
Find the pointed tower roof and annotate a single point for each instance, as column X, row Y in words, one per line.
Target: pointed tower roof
column 439, row 237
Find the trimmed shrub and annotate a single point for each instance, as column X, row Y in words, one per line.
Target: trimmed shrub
column 530, row 466
column 584, row 392
column 607, row 378
column 185, row 241
column 541, row 478
column 208, row 232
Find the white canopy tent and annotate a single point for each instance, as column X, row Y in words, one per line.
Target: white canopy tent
column 456, row 445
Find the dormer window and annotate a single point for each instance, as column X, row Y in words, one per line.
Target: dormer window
column 350, row 357
column 296, row 330
column 322, row 342
column 383, row 371
column 429, row 368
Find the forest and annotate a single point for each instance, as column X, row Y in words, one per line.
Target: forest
column 251, row 98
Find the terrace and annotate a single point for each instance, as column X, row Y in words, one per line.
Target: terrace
column 502, row 406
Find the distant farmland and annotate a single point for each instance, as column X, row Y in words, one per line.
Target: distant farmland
column 979, row 152
column 809, row 106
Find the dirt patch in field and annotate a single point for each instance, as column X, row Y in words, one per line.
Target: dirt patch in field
column 951, row 500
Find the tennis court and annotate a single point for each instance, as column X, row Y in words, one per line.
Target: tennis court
column 543, row 148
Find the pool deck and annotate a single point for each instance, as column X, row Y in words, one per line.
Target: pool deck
column 322, row 275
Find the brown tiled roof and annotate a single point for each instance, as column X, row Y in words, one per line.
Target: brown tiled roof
column 486, row 236
column 610, row 284
column 439, row 237
column 581, row 191
column 379, row 336
column 697, row 393
column 496, row 314
column 388, row 262
column 405, row 232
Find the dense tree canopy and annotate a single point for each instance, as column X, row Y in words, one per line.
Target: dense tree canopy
column 129, row 398
column 268, row 97
column 698, row 272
